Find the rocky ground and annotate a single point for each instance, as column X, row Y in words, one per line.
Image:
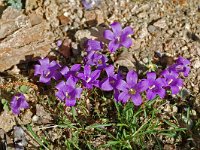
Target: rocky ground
column 171, row 27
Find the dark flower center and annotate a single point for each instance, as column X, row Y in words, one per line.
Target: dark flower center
column 100, row 61
column 112, row 82
column 132, row 91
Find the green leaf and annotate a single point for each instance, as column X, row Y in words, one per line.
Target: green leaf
column 24, row 89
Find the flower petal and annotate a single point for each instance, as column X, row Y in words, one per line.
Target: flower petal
column 71, row 82
column 76, row 67
column 127, row 31
column 60, row 85
column 44, row 61
column 78, row 92
column 137, row 99
column 186, row 72
column 126, row 42
column 151, row 75
column 150, row 95
column 70, row 103
column 108, row 35
column 142, row 86
column 64, row 71
column 124, row 97
column 44, row 80
column 110, row 70
column 60, row 95
column 113, row 46
column 175, row 89
column 105, row 85
column 24, row 104
column 37, row 70
column 161, row 93
column 117, row 28
column 121, row 85
column 95, row 74
column 87, row 70
column 131, row 78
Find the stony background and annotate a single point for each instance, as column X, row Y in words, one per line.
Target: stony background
column 169, row 26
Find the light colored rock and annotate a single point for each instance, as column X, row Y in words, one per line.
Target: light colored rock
column 196, row 64
column 7, row 121
column 20, row 39
column 160, row 23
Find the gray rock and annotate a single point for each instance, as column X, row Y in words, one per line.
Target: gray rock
column 152, row 29
column 160, row 23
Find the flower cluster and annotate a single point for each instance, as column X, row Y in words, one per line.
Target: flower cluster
column 96, row 66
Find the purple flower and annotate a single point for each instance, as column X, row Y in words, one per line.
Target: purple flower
column 59, row 43
column 113, row 81
column 172, row 81
column 66, row 72
column 18, row 102
column 88, row 4
column 96, row 59
column 68, row 92
column 153, row 86
column 89, row 78
column 181, row 65
column 47, row 70
column 93, row 45
column 132, row 89
column 119, row 37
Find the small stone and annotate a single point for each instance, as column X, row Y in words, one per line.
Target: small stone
column 35, row 118
column 167, row 108
column 193, row 112
column 184, row 48
column 170, row 32
column 90, row 17
column 196, row 64
column 160, row 23
column 26, row 117
column 63, row 20
column 145, row 60
column 142, row 15
column 144, row 32
column 7, row 121
column 174, row 109
column 152, row 29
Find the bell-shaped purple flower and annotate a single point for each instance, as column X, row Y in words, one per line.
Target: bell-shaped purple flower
column 181, row 66
column 68, row 92
column 93, row 45
column 89, row 78
column 47, row 70
column 72, row 72
column 153, row 86
column 96, row 59
column 132, row 89
column 172, row 81
column 112, row 81
column 18, row 102
column 118, row 37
